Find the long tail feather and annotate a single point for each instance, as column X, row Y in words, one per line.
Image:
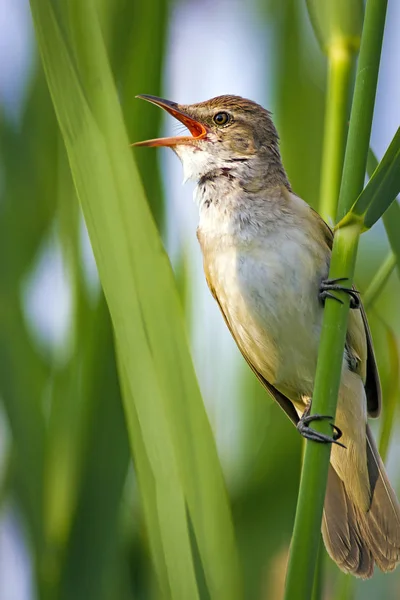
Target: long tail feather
column 341, row 533
column 356, row 539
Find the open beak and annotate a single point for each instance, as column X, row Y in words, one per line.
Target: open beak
column 197, row 130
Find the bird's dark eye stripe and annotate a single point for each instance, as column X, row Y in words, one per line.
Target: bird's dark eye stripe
column 221, row 118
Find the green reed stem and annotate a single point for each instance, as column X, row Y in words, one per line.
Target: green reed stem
column 340, row 62
column 304, row 549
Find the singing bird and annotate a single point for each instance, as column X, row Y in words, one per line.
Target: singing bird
column 266, row 257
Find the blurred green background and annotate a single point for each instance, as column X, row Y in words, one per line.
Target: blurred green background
column 71, row 518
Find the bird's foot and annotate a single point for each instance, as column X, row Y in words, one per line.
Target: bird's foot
column 311, row 434
column 332, row 285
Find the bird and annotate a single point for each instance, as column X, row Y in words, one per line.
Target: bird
column 266, row 256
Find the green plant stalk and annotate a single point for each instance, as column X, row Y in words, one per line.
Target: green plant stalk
column 319, row 572
column 340, row 63
column 380, row 279
column 344, row 587
column 363, row 105
column 304, row 548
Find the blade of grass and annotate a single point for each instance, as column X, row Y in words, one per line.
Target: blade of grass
column 391, row 221
column 132, row 31
column 92, row 544
column 21, row 397
column 83, row 136
column 306, row 532
column 27, row 209
column 138, row 284
column 382, row 188
column 28, row 202
column 379, row 281
column 69, row 406
column 204, row 487
column 148, row 491
column 391, row 218
column 392, row 394
column 145, row 33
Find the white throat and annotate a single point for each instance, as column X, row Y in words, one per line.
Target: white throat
column 196, row 162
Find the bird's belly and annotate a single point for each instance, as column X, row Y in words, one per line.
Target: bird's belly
column 270, row 300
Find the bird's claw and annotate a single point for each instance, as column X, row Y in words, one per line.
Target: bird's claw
column 311, row 434
column 332, row 285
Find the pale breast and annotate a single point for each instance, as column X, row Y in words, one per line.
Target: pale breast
column 268, row 291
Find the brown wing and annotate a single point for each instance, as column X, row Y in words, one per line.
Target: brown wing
column 372, row 383
column 282, row 400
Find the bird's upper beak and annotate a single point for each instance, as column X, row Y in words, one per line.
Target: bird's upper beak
column 198, row 130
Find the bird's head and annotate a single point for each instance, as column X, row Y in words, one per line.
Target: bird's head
column 225, row 132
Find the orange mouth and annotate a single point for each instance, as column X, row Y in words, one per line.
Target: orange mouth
column 197, row 130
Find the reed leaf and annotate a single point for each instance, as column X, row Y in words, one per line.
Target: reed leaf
column 381, row 189
column 391, row 218
column 161, row 397
column 392, row 394
column 90, row 552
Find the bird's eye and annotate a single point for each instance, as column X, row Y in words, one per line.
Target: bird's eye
column 221, row 118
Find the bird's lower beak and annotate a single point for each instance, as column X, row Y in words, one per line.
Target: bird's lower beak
column 197, row 130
